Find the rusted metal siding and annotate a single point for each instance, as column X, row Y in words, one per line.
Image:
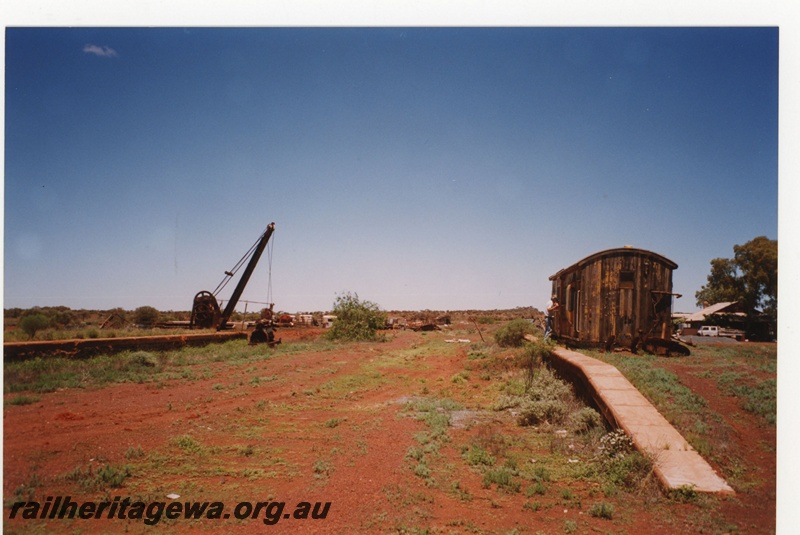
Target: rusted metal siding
column 616, row 297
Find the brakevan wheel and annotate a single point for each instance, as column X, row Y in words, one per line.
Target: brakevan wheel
column 205, row 310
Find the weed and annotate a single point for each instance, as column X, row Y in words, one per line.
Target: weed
column 188, row 444
column 27, row 491
column 683, row 494
column 106, row 477
column 478, row 456
column 532, row 506
column 503, row 478
column 459, row 492
column 540, row 474
column 570, row 526
column 322, row 469
column 700, row 427
column 253, row 473
column 415, row 453
column 460, row 377
column 584, row 420
column 134, row 453
column 629, row 471
column 143, row 358
column 422, row 470
column 537, row 488
column 477, row 355
column 333, row 422
column 602, row 510
column 23, row 400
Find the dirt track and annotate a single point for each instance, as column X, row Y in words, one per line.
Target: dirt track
column 334, row 426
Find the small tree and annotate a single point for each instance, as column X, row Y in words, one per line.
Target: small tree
column 355, row 319
column 145, row 315
column 33, row 323
column 512, row 334
column 750, row 277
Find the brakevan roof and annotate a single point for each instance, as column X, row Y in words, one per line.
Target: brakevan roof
column 615, row 252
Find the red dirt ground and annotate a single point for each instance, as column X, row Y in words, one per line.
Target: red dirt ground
column 313, row 439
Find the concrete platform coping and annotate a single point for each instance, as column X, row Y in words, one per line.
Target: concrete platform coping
column 676, row 463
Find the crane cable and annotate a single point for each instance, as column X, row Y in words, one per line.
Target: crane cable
column 269, row 278
column 229, row 274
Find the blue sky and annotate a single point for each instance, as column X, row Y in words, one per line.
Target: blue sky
column 420, row 167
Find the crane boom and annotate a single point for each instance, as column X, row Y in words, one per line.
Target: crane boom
column 237, row 292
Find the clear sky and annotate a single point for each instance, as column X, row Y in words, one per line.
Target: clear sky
column 420, row 167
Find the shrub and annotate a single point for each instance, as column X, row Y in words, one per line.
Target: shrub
column 105, row 477
column 543, row 397
column 628, row 471
column 503, row 478
column 512, row 334
column 585, row 420
column 545, row 410
column 141, row 359
column 30, row 325
column 615, row 444
column 602, row 510
column 536, row 488
column 355, row 319
column 478, row 456
column 145, row 315
column 684, row 494
column 621, row 464
column 23, row 400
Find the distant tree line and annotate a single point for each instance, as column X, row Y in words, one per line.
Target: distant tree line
column 36, row 319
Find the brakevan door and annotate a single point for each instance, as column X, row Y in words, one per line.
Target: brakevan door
column 626, row 308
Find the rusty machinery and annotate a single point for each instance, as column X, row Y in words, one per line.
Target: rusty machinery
column 205, row 309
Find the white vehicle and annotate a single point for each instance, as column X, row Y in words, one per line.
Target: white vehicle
column 708, row 330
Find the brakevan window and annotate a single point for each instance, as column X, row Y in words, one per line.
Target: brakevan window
column 626, row 279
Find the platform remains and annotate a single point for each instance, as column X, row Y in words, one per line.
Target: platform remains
column 676, row 463
column 85, row 348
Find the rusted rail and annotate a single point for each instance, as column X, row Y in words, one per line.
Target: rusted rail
column 80, row 348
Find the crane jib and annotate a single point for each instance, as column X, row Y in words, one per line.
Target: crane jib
column 237, row 292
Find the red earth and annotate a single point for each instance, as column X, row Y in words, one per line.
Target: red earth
column 339, row 425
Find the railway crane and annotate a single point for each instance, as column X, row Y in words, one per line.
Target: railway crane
column 205, row 308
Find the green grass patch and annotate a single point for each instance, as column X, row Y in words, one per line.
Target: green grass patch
column 105, row 477
column 23, row 400
column 760, row 399
column 188, row 444
column 503, row 478
column 188, row 363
